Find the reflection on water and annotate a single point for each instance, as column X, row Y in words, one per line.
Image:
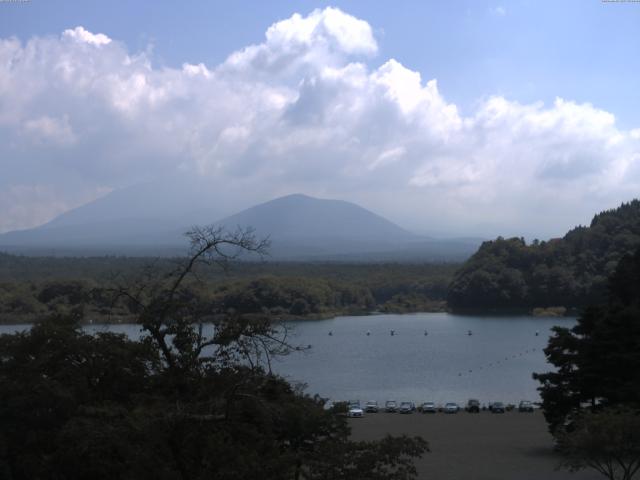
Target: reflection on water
column 429, row 357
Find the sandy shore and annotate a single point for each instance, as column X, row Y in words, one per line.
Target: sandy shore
column 482, row 446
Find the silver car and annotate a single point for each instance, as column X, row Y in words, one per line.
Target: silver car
column 451, row 407
column 355, row 410
column 428, row 407
column 371, row 407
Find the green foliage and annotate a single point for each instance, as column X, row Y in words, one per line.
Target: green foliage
column 177, row 404
column 569, row 272
column 68, row 413
column 284, row 289
column 607, row 441
column 54, row 382
column 597, row 360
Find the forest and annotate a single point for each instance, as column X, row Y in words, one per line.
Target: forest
column 503, row 275
column 35, row 287
column 570, row 272
column 177, row 403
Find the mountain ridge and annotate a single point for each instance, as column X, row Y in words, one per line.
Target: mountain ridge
column 300, row 227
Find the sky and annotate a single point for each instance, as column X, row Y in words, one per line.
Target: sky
column 455, row 118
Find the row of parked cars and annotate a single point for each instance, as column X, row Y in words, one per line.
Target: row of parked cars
column 391, row 406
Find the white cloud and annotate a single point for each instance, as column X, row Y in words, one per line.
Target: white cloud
column 79, row 34
column 302, row 44
column 299, row 112
column 50, row 130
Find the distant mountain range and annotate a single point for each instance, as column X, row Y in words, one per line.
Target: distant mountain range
column 300, row 228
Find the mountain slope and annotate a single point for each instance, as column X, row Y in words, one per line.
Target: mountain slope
column 151, row 219
column 569, row 272
column 149, row 214
column 303, row 217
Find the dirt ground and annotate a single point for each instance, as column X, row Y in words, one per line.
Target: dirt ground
column 481, row 446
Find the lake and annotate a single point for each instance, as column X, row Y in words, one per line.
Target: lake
column 495, row 363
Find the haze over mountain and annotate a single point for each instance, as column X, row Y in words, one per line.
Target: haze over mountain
column 141, row 220
column 149, row 214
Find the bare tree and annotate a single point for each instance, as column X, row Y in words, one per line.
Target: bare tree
column 174, row 316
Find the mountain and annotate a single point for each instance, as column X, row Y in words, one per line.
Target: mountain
column 320, row 226
column 570, row 272
column 150, row 219
column 128, row 220
column 306, row 228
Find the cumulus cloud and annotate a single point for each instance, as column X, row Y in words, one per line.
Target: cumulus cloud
column 301, row 111
column 79, row 34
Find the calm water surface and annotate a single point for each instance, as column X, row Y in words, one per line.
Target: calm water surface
column 494, row 363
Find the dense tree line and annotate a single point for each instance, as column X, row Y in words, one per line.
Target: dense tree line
column 288, row 290
column 592, row 399
column 177, row 404
column 569, row 272
column 598, row 360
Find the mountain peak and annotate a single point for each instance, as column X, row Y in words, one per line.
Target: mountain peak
column 302, row 216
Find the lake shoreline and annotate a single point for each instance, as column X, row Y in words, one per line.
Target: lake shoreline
column 559, row 312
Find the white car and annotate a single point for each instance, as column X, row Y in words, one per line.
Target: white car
column 355, row 410
column 451, row 408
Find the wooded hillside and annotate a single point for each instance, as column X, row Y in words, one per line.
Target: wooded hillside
column 569, row 272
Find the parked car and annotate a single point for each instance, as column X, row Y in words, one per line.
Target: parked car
column 451, row 407
column 407, row 407
column 371, row 407
column 497, row 407
column 473, row 406
column 428, row 407
column 391, row 406
column 525, row 406
column 355, row 410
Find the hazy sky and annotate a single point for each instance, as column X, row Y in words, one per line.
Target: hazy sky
column 461, row 117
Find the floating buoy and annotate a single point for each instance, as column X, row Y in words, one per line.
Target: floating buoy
column 426, row 333
column 330, row 333
column 368, row 333
column 537, row 333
